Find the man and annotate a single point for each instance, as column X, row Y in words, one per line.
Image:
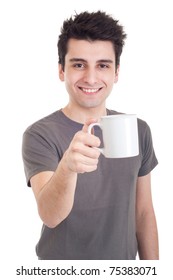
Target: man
column 91, row 207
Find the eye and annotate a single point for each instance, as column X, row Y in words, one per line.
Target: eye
column 78, row 65
column 103, row 66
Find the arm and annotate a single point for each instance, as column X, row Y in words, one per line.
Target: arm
column 54, row 191
column 146, row 227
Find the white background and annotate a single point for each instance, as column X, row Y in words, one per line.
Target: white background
column 30, row 89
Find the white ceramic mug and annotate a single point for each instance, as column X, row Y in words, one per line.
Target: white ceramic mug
column 120, row 135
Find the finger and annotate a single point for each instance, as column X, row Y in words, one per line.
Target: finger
column 87, row 123
column 85, row 164
column 88, row 161
column 81, row 138
column 87, row 150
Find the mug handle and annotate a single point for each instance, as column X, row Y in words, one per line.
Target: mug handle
column 90, row 132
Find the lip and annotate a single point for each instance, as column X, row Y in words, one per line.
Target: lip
column 90, row 91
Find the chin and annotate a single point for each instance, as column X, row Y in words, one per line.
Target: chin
column 91, row 105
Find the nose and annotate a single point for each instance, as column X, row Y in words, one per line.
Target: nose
column 91, row 76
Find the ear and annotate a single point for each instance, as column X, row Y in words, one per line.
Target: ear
column 117, row 74
column 61, row 72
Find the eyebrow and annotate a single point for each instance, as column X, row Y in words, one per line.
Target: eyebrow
column 75, row 59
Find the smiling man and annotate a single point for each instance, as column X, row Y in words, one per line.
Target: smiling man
column 89, row 75
column 91, row 207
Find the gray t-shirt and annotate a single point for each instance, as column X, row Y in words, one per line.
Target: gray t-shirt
column 101, row 224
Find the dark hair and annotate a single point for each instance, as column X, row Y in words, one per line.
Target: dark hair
column 91, row 26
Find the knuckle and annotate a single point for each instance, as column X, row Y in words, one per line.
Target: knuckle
column 75, row 148
column 79, row 136
column 96, row 154
column 94, row 168
column 95, row 141
column 80, row 168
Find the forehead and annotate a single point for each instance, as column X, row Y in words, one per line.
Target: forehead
column 90, row 50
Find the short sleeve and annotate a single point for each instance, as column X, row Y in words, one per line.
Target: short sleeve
column 38, row 154
column 148, row 157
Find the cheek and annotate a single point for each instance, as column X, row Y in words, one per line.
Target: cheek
column 73, row 77
column 111, row 80
column 70, row 81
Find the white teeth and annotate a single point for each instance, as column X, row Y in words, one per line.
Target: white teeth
column 90, row 90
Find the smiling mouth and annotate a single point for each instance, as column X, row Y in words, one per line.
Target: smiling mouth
column 90, row 90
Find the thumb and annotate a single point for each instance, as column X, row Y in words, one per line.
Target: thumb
column 87, row 123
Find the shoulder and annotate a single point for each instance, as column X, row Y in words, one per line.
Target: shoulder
column 144, row 130
column 45, row 124
column 53, row 117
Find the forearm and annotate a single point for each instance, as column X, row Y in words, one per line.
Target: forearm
column 56, row 198
column 54, row 192
column 147, row 237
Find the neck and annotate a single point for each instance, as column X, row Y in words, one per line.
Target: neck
column 82, row 115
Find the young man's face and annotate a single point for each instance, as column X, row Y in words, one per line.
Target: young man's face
column 89, row 72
